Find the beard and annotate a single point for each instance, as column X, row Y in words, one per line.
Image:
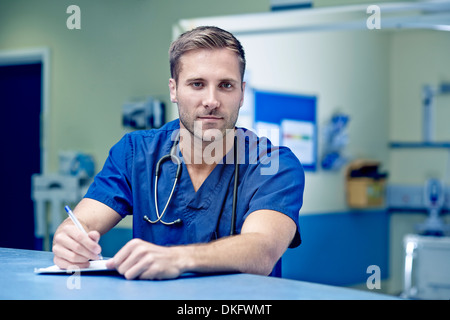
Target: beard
column 208, row 131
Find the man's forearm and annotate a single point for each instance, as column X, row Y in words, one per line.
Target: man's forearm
column 246, row 253
column 264, row 237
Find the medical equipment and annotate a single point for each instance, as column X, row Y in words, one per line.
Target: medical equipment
column 148, row 113
column 77, row 164
column 336, row 140
column 433, row 199
column 177, row 160
column 76, row 170
column 427, row 264
column 429, row 94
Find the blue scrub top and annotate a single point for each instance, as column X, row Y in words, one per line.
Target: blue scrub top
column 269, row 178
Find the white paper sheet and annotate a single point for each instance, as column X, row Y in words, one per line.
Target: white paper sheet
column 96, row 265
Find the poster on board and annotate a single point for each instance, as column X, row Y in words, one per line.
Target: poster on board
column 294, row 116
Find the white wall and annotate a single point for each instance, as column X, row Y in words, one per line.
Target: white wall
column 342, row 70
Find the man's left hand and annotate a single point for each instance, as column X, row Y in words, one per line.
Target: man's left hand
column 139, row 259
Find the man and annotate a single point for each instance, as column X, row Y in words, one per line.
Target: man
column 189, row 232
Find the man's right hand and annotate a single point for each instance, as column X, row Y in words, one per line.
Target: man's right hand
column 72, row 247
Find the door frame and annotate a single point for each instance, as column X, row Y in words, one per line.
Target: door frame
column 29, row 56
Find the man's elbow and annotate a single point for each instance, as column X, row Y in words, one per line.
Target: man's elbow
column 264, row 271
column 264, row 264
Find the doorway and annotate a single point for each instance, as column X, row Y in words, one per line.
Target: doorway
column 21, row 105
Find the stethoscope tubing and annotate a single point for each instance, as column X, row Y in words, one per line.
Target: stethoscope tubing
column 176, row 159
column 157, row 171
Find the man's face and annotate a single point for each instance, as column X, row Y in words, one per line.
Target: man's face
column 209, row 90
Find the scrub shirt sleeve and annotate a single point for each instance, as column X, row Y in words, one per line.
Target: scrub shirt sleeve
column 282, row 191
column 112, row 185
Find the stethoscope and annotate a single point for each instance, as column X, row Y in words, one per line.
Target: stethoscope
column 175, row 159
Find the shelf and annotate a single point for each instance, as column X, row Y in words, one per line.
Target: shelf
column 420, row 145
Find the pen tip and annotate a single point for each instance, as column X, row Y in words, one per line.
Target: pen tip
column 67, row 208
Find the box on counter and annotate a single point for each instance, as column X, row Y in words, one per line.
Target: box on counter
column 365, row 185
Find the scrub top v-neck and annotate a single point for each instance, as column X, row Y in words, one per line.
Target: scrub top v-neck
column 126, row 184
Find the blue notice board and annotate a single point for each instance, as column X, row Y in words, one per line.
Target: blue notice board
column 295, row 116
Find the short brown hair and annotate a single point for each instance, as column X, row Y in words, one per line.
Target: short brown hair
column 205, row 37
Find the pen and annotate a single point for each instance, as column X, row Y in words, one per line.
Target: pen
column 78, row 224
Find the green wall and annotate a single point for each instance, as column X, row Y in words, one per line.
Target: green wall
column 119, row 53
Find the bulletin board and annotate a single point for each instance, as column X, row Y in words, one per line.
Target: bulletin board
column 295, row 117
